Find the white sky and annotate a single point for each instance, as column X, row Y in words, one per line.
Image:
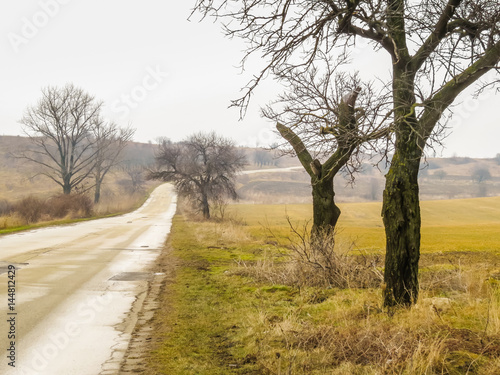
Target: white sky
column 164, row 75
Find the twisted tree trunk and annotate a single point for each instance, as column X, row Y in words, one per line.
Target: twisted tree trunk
column 325, row 212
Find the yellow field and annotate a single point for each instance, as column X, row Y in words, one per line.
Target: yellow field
column 449, row 225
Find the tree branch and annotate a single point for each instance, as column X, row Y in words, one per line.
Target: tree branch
column 435, row 107
column 298, row 146
column 437, row 35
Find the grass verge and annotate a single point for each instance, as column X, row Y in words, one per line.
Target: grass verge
column 222, row 314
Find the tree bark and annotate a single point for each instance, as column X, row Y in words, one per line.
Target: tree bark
column 401, row 215
column 67, row 185
column 97, row 193
column 98, row 180
column 205, row 207
column 401, row 208
column 325, row 211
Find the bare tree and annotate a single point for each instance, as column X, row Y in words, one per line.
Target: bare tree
column 480, row 174
column 109, row 142
column 440, row 173
column 437, row 49
column 60, row 127
column 332, row 118
column 136, row 177
column 203, row 168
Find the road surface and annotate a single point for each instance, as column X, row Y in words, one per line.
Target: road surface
column 272, row 170
column 77, row 290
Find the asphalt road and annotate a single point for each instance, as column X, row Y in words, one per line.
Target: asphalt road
column 77, row 290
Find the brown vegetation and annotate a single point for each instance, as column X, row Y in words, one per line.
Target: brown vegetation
column 322, row 262
column 33, row 209
column 244, row 301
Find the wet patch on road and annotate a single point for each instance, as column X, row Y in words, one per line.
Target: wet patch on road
column 132, row 276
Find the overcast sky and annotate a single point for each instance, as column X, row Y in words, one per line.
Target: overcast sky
column 162, row 74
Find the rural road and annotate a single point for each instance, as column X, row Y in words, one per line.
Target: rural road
column 272, row 170
column 78, row 289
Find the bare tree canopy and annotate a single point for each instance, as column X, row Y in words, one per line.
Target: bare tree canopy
column 136, row 177
column 60, row 128
column 441, row 39
column 71, row 141
column 109, row 142
column 203, row 168
column 327, row 119
column 437, row 49
column 331, row 110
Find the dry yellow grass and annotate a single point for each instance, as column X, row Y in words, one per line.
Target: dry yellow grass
column 237, row 307
column 451, row 225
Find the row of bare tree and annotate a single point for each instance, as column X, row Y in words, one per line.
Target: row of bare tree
column 436, row 50
column 71, row 141
column 73, row 144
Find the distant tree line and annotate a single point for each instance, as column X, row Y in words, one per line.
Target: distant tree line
column 262, row 157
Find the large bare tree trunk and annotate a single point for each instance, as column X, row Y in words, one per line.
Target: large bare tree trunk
column 401, row 214
column 401, row 208
column 325, row 211
column 67, row 187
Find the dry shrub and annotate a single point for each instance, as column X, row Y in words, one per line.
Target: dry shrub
column 118, row 203
column 470, row 283
column 344, row 331
column 218, row 208
column 442, row 280
column 317, row 262
column 30, row 209
column 321, row 261
column 455, row 277
column 74, row 205
column 5, row 207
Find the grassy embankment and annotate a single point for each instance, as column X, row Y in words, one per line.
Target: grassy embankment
column 235, row 307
